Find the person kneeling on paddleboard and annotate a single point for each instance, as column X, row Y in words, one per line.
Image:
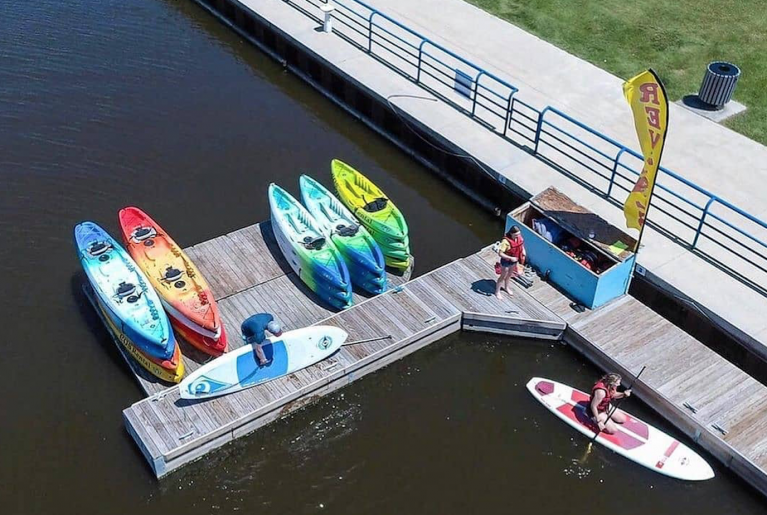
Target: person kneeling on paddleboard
column 602, row 394
column 254, row 332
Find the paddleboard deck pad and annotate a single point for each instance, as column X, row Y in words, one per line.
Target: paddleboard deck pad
column 239, row 369
column 636, row 440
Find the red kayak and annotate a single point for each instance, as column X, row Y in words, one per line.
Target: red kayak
column 183, row 291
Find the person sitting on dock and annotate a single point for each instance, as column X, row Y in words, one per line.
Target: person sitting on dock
column 602, row 394
column 254, row 332
column 513, row 255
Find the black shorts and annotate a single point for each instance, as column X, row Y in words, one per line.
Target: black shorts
column 506, row 263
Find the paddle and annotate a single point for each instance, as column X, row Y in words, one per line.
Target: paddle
column 609, row 415
column 388, row 336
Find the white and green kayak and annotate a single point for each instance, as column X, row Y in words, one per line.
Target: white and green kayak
column 360, row 251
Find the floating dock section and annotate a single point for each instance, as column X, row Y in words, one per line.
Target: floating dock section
column 248, row 274
column 719, row 406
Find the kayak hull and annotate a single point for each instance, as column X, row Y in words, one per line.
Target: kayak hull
column 359, row 250
column 123, row 290
column 397, row 263
column 169, row 370
column 184, row 292
column 386, row 224
column 201, row 342
column 321, row 269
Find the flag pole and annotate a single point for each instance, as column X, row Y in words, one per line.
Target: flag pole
column 660, row 155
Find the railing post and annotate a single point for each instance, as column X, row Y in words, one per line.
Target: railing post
column 327, row 23
column 370, row 31
column 615, row 170
column 538, row 129
column 702, row 219
column 509, row 109
column 476, row 90
column 420, row 57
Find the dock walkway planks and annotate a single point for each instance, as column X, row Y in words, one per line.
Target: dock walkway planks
column 248, row 274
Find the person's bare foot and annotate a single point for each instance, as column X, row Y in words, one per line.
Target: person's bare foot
column 498, row 295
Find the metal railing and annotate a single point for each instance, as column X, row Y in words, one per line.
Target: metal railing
column 697, row 219
column 696, row 216
column 473, row 90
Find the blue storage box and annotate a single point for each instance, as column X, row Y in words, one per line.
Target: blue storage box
column 605, row 254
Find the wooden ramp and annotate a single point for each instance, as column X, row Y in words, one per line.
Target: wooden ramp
column 248, row 274
column 707, row 397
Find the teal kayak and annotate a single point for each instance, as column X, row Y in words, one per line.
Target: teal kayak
column 313, row 257
column 360, row 251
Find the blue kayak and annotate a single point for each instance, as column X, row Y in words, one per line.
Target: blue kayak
column 124, row 292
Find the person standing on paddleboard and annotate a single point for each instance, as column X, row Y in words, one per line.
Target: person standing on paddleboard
column 254, row 332
column 602, row 394
column 513, row 255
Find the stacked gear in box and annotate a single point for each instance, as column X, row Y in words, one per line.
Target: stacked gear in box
column 574, row 248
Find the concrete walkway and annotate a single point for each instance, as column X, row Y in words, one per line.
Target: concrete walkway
column 716, row 158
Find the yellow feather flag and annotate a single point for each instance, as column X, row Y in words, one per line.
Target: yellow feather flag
column 647, row 97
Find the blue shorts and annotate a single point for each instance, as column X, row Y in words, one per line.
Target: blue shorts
column 506, row 263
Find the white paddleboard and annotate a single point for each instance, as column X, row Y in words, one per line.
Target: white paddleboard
column 239, row 368
column 636, row 440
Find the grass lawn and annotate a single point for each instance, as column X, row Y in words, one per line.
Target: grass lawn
column 678, row 41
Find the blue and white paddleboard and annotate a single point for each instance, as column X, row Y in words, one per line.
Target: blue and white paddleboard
column 239, row 369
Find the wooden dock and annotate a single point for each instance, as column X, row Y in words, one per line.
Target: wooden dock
column 705, row 396
column 248, row 274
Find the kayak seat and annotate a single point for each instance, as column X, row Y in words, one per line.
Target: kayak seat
column 143, row 233
column 125, row 290
column 313, row 243
column 347, row 230
column 376, row 205
column 172, row 274
column 98, row 247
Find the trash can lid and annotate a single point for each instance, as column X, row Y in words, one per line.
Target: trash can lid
column 723, row 68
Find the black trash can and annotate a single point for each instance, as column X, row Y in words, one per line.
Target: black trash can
column 718, row 84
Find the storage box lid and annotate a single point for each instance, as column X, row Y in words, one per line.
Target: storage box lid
column 581, row 222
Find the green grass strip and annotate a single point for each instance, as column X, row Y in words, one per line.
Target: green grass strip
column 677, row 38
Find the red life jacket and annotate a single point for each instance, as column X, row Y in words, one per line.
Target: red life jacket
column 516, row 247
column 602, row 406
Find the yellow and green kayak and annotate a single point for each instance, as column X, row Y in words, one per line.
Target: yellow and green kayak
column 375, row 211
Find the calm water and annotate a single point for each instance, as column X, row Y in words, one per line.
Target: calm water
column 152, row 102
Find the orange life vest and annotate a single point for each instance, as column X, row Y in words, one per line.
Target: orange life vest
column 516, row 247
column 605, row 403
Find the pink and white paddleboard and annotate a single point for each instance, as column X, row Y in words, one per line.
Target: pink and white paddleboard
column 636, row 440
